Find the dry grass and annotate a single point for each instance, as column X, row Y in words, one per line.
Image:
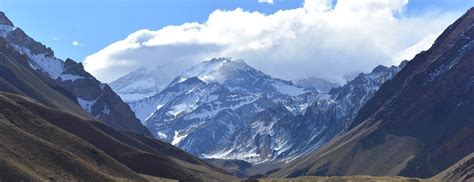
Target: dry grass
column 344, row 179
column 108, row 153
column 156, row 179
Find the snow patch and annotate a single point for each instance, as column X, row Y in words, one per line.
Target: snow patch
column 106, row 110
column 5, row 30
column 178, row 138
column 86, row 105
column 178, row 109
column 69, row 77
column 207, row 71
column 46, row 63
column 162, row 135
column 448, row 66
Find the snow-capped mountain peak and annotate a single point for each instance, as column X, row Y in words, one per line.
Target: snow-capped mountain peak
column 148, row 81
column 238, row 75
column 208, row 71
column 210, row 102
column 42, row 58
column 233, row 75
column 220, row 70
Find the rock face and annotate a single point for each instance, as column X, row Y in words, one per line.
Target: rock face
column 4, row 20
column 461, row 171
column 93, row 96
column 417, row 125
column 303, row 123
column 16, row 76
column 98, row 98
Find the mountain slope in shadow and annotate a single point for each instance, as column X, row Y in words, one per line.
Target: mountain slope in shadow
column 42, row 143
column 461, row 171
column 416, row 125
column 33, row 149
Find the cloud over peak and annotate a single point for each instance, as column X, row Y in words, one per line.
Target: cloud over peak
column 266, row 1
column 320, row 39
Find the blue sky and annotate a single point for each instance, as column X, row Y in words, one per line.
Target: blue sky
column 82, row 29
column 95, row 24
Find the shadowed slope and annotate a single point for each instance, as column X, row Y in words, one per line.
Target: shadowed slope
column 417, row 124
column 461, row 171
column 17, row 77
column 150, row 157
column 32, row 149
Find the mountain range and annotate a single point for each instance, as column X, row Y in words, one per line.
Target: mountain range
column 222, row 119
column 226, row 109
column 210, row 102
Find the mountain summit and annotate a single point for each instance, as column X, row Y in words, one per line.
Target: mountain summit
column 237, row 75
column 4, row 20
column 149, row 81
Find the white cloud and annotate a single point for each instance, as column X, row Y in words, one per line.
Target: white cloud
column 266, row 1
column 410, row 52
column 76, row 43
column 318, row 39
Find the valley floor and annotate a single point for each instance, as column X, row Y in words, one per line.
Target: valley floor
column 342, row 179
column 157, row 179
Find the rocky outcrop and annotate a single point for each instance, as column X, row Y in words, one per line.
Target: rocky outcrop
column 99, row 99
column 461, row 171
column 4, row 20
